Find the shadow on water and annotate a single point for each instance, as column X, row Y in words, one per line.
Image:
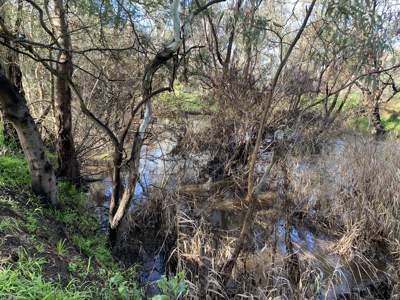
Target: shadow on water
column 151, row 167
column 158, row 169
column 342, row 279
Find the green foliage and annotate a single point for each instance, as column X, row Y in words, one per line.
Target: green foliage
column 76, row 264
column 14, row 171
column 81, row 224
column 32, row 223
column 369, row 32
column 360, row 123
column 24, row 280
column 353, row 101
column 95, row 246
column 182, row 99
column 1, row 137
column 52, row 157
column 84, row 236
column 172, row 288
column 390, row 122
column 118, row 287
column 69, row 195
column 9, row 224
column 60, row 247
column 10, row 146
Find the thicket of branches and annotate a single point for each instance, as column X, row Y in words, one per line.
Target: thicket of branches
column 84, row 77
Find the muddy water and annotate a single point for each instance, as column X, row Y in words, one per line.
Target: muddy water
column 159, row 168
column 333, row 277
column 336, row 278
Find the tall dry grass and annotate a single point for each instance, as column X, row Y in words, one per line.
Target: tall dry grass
column 349, row 191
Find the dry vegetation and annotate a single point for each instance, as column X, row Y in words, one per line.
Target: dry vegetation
column 229, row 149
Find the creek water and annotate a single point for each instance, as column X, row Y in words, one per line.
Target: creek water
column 160, row 169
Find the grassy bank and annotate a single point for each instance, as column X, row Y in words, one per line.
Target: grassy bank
column 53, row 254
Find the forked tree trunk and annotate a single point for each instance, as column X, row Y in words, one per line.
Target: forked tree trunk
column 119, row 206
column 116, row 193
column 68, row 166
column 14, row 108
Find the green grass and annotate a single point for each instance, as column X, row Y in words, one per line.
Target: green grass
column 24, row 280
column 11, row 145
column 14, row 171
column 391, row 123
column 390, row 114
column 1, row 137
column 32, row 223
column 360, row 123
column 8, row 224
column 182, row 99
column 95, row 246
column 60, row 247
column 69, row 195
column 390, row 117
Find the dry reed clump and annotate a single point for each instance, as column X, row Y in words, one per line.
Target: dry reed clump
column 354, row 185
column 364, row 189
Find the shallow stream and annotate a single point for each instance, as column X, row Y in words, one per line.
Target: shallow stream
column 160, row 169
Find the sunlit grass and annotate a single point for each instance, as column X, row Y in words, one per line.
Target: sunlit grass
column 182, row 99
column 14, row 171
column 24, row 280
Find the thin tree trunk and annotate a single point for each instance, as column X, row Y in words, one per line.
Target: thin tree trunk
column 68, row 166
column 118, row 208
column 14, row 108
column 116, row 193
column 376, row 119
column 252, row 190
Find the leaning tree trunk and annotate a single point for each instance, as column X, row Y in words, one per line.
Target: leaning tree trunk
column 118, row 207
column 254, row 190
column 14, row 108
column 14, row 74
column 68, row 166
